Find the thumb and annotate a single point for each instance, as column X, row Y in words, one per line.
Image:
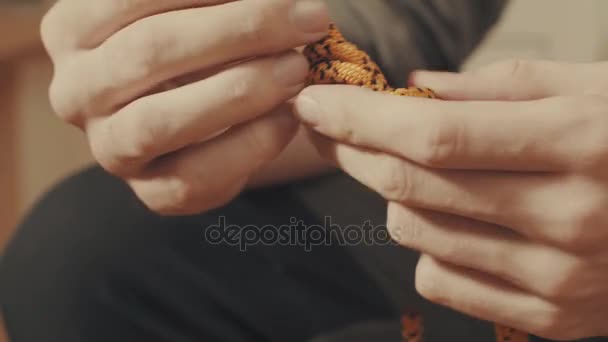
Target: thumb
column 513, row 80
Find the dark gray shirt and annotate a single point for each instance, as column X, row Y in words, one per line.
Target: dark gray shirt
column 403, row 35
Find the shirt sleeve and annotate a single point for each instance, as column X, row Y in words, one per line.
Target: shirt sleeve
column 403, row 35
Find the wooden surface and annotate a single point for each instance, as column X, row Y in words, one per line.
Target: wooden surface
column 19, row 31
column 8, row 152
column 19, row 37
column 8, row 162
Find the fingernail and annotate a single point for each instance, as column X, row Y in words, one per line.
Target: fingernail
column 307, row 109
column 427, row 78
column 411, row 81
column 392, row 224
column 291, row 69
column 417, row 77
column 310, row 16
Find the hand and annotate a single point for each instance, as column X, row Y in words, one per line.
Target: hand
column 502, row 186
column 154, row 83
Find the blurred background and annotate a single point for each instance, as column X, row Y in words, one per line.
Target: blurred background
column 37, row 150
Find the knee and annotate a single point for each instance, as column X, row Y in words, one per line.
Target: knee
column 87, row 247
column 64, row 252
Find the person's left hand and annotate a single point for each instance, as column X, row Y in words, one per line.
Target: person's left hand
column 502, row 185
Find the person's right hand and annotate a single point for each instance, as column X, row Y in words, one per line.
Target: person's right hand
column 114, row 60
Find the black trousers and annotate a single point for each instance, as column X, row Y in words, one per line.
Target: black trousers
column 90, row 263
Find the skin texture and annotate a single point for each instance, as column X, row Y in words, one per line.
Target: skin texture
column 187, row 118
column 501, row 185
column 335, row 60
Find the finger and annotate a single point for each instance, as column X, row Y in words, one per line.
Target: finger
column 543, row 270
column 210, row 174
column 162, row 47
column 553, row 134
column 513, row 80
column 488, row 298
column 165, row 122
column 517, row 80
column 76, row 24
column 530, row 203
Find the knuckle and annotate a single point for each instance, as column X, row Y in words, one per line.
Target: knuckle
column 256, row 140
column 556, row 325
column 593, row 117
column 152, row 50
column 548, row 323
column 182, row 197
column 145, row 139
column 516, row 68
column 265, row 138
column 188, row 196
column 62, row 98
column 456, row 250
column 106, row 159
column 141, row 149
column 440, row 143
column 581, row 221
column 99, row 150
column 572, row 236
column 258, row 78
column 105, row 59
column 578, row 222
column 141, row 48
column 263, row 24
column 253, row 28
column 257, row 29
column 404, row 226
column 396, row 182
column 220, row 196
column 59, row 102
column 46, row 30
column 120, row 152
column 179, row 197
column 504, row 257
column 51, row 33
column 242, row 91
column 561, row 283
column 252, row 86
